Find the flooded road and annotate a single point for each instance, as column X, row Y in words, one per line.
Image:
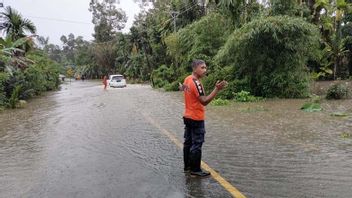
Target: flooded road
column 83, row 141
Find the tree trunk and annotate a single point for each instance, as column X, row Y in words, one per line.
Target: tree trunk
column 147, row 59
column 335, row 68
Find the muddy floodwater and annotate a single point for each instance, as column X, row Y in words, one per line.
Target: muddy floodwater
column 82, row 141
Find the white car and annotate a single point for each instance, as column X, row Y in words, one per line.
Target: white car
column 117, row 81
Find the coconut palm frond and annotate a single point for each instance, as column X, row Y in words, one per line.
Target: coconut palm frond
column 14, row 25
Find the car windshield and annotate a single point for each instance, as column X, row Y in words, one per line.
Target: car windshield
column 117, row 78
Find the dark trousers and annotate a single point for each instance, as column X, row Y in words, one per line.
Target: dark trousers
column 192, row 146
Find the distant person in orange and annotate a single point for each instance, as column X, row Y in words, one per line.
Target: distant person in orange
column 105, row 81
column 195, row 100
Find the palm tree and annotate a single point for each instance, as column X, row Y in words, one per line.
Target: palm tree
column 15, row 25
column 331, row 30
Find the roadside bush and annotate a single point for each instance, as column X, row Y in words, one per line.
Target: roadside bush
column 245, row 96
column 16, row 79
column 13, row 100
column 174, row 85
column 43, row 75
column 35, row 80
column 219, row 102
column 20, row 84
column 229, row 91
column 162, row 76
column 315, row 98
column 269, row 55
column 3, row 79
column 337, row 91
column 219, row 74
column 171, row 86
column 226, row 73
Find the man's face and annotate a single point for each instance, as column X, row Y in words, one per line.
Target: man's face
column 201, row 70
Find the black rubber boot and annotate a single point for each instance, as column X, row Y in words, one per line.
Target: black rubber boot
column 196, row 170
column 195, row 159
column 186, row 159
column 201, row 173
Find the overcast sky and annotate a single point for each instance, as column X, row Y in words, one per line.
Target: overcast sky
column 54, row 18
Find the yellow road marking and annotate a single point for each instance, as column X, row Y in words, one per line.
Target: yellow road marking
column 229, row 187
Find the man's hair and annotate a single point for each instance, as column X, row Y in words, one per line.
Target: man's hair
column 195, row 63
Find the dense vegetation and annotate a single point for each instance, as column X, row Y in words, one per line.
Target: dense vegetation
column 269, row 56
column 268, row 50
column 25, row 71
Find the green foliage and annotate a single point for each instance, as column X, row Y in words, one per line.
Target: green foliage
column 162, row 76
column 245, row 96
column 16, row 78
column 229, row 91
column 174, row 47
column 240, row 11
column 107, row 19
column 42, row 75
column 346, row 135
column 24, row 70
column 315, row 98
column 220, row 74
column 337, row 91
column 311, row 107
column 3, row 78
column 270, row 55
column 13, row 100
column 12, row 53
column 324, row 71
column 70, row 72
column 201, row 30
column 332, row 17
column 220, row 102
column 47, row 68
column 35, row 80
column 15, row 25
column 285, row 7
column 171, row 86
column 200, row 40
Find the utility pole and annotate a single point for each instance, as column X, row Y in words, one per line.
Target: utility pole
column 174, row 15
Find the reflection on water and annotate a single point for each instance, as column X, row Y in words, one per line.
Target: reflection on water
column 83, row 141
column 273, row 149
column 276, row 150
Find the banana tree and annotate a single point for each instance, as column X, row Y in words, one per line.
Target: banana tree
column 12, row 54
column 334, row 52
column 329, row 16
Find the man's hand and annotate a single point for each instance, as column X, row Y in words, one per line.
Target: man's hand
column 204, row 100
column 180, row 87
column 220, row 85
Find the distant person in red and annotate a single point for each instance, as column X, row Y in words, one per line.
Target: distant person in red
column 105, row 82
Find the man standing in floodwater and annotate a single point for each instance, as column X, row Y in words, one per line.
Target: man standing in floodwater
column 195, row 100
